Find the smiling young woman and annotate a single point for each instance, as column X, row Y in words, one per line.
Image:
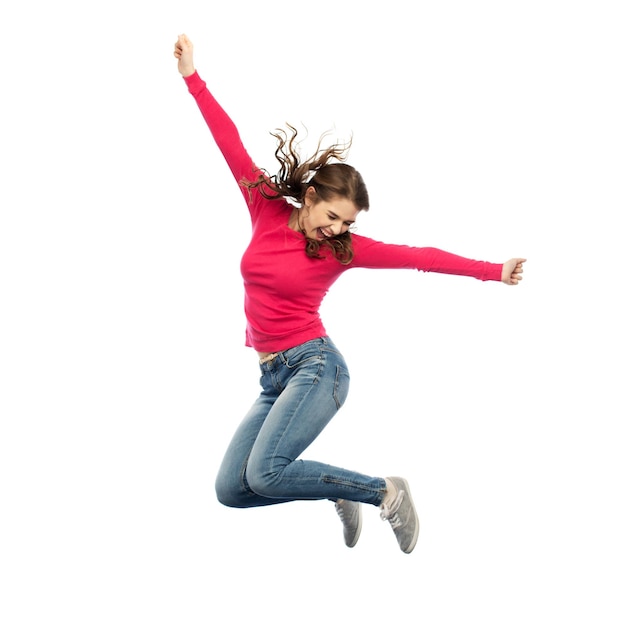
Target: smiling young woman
column 301, row 243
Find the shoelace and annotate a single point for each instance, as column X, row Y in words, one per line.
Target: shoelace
column 390, row 513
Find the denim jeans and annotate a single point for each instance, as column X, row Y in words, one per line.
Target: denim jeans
column 302, row 389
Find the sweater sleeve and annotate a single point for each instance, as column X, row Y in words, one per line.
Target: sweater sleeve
column 223, row 130
column 372, row 254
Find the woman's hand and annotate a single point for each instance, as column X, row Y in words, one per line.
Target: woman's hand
column 183, row 51
column 512, row 271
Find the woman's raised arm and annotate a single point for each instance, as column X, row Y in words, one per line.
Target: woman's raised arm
column 221, row 126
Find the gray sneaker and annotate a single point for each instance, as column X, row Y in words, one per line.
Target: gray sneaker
column 402, row 516
column 350, row 514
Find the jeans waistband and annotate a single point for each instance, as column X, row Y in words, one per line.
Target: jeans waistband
column 326, row 341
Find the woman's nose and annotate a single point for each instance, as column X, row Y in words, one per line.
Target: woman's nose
column 338, row 228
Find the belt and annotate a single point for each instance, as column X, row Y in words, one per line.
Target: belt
column 268, row 358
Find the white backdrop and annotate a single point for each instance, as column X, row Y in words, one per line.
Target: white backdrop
column 490, row 129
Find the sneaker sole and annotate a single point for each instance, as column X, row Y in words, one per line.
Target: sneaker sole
column 357, row 534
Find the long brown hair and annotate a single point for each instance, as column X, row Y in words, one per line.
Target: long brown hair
column 326, row 172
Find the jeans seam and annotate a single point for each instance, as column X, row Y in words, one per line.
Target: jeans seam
column 336, row 480
column 338, row 373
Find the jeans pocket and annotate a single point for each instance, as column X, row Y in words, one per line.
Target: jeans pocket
column 303, row 355
column 342, row 385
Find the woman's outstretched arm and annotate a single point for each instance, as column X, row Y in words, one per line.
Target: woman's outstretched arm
column 221, row 126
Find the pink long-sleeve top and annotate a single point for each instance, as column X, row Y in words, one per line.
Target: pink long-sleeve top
column 284, row 288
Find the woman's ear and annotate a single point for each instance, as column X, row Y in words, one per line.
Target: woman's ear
column 310, row 194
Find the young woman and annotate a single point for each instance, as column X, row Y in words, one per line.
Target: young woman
column 297, row 251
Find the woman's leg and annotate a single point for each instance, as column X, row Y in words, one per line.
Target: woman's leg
column 312, row 383
column 231, row 485
column 303, row 388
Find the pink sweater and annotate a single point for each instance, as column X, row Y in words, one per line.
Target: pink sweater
column 284, row 288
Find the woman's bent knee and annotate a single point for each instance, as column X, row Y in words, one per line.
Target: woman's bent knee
column 266, row 483
column 230, row 495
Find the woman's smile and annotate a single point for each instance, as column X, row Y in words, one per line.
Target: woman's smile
column 324, row 233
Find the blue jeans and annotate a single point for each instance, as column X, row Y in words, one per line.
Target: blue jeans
column 302, row 389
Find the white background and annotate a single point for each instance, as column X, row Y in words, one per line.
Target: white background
column 490, row 129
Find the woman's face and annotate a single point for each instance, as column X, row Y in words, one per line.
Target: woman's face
column 321, row 219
